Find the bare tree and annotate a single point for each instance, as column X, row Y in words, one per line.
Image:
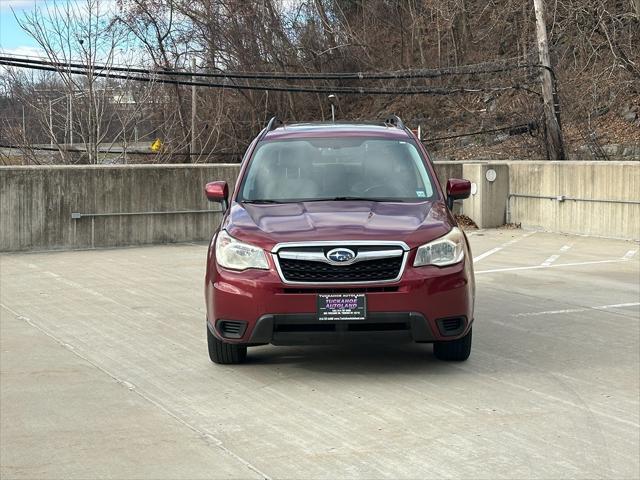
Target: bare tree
column 592, row 45
column 81, row 34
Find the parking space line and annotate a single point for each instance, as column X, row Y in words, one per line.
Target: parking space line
column 630, row 254
column 550, row 260
column 617, row 305
column 535, row 267
column 553, row 258
column 515, row 240
column 575, row 310
column 497, row 249
column 486, row 254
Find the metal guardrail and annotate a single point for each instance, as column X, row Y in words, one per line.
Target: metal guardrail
column 77, row 215
column 562, row 198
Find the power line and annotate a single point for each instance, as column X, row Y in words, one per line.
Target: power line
column 513, row 130
column 518, row 129
column 128, row 152
column 273, row 88
column 480, row 68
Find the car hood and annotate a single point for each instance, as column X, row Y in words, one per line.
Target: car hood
column 269, row 224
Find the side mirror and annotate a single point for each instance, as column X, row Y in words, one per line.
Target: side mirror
column 217, row 192
column 457, row 189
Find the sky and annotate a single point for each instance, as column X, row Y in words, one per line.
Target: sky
column 12, row 38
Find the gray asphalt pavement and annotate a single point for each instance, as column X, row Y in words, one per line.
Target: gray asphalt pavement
column 104, row 374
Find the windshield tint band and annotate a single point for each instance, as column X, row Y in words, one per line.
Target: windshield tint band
column 316, row 169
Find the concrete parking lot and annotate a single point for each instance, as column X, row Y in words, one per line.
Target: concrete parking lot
column 104, row 373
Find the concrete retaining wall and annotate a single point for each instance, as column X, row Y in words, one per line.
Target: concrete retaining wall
column 36, row 203
column 595, row 194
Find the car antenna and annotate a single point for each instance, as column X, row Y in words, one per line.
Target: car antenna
column 333, row 100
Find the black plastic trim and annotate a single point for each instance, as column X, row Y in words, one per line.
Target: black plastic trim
column 301, row 329
column 395, row 121
column 220, row 328
column 274, row 123
column 452, row 333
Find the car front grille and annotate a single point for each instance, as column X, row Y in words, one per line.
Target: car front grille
column 373, row 264
column 316, row 272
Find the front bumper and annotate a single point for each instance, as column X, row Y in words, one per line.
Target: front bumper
column 268, row 311
column 305, row 329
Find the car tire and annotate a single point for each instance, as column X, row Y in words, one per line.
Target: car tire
column 455, row 350
column 225, row 353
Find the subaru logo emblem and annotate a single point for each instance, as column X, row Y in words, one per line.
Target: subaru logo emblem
column 341, row 255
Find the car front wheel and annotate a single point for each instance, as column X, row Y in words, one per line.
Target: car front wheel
column 225, row 353
column 455, row 350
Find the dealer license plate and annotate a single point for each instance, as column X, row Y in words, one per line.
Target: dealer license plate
column 342, row 306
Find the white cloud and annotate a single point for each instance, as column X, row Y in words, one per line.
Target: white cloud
column 7, row 5
column 16, row 4
column 23, row 51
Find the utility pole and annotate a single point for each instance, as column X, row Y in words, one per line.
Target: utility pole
column 193, row 110
column 51, row 122
column 555, row 145
column 71, row 119
column 67, row 124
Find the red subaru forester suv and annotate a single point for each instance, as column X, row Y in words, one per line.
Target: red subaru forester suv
column 338, row 231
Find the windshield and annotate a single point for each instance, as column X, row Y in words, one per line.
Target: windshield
column 318, row 169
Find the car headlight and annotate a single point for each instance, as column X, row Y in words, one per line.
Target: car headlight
column 237, row 255
column 446, row 250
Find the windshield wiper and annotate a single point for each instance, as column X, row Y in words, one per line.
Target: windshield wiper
column 327, row 199
column 363, row 199
column 261, row 201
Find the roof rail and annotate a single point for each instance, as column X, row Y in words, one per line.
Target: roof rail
column 274, row 123
column 395, row 121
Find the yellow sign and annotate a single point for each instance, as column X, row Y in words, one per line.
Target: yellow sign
column 156, row 146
